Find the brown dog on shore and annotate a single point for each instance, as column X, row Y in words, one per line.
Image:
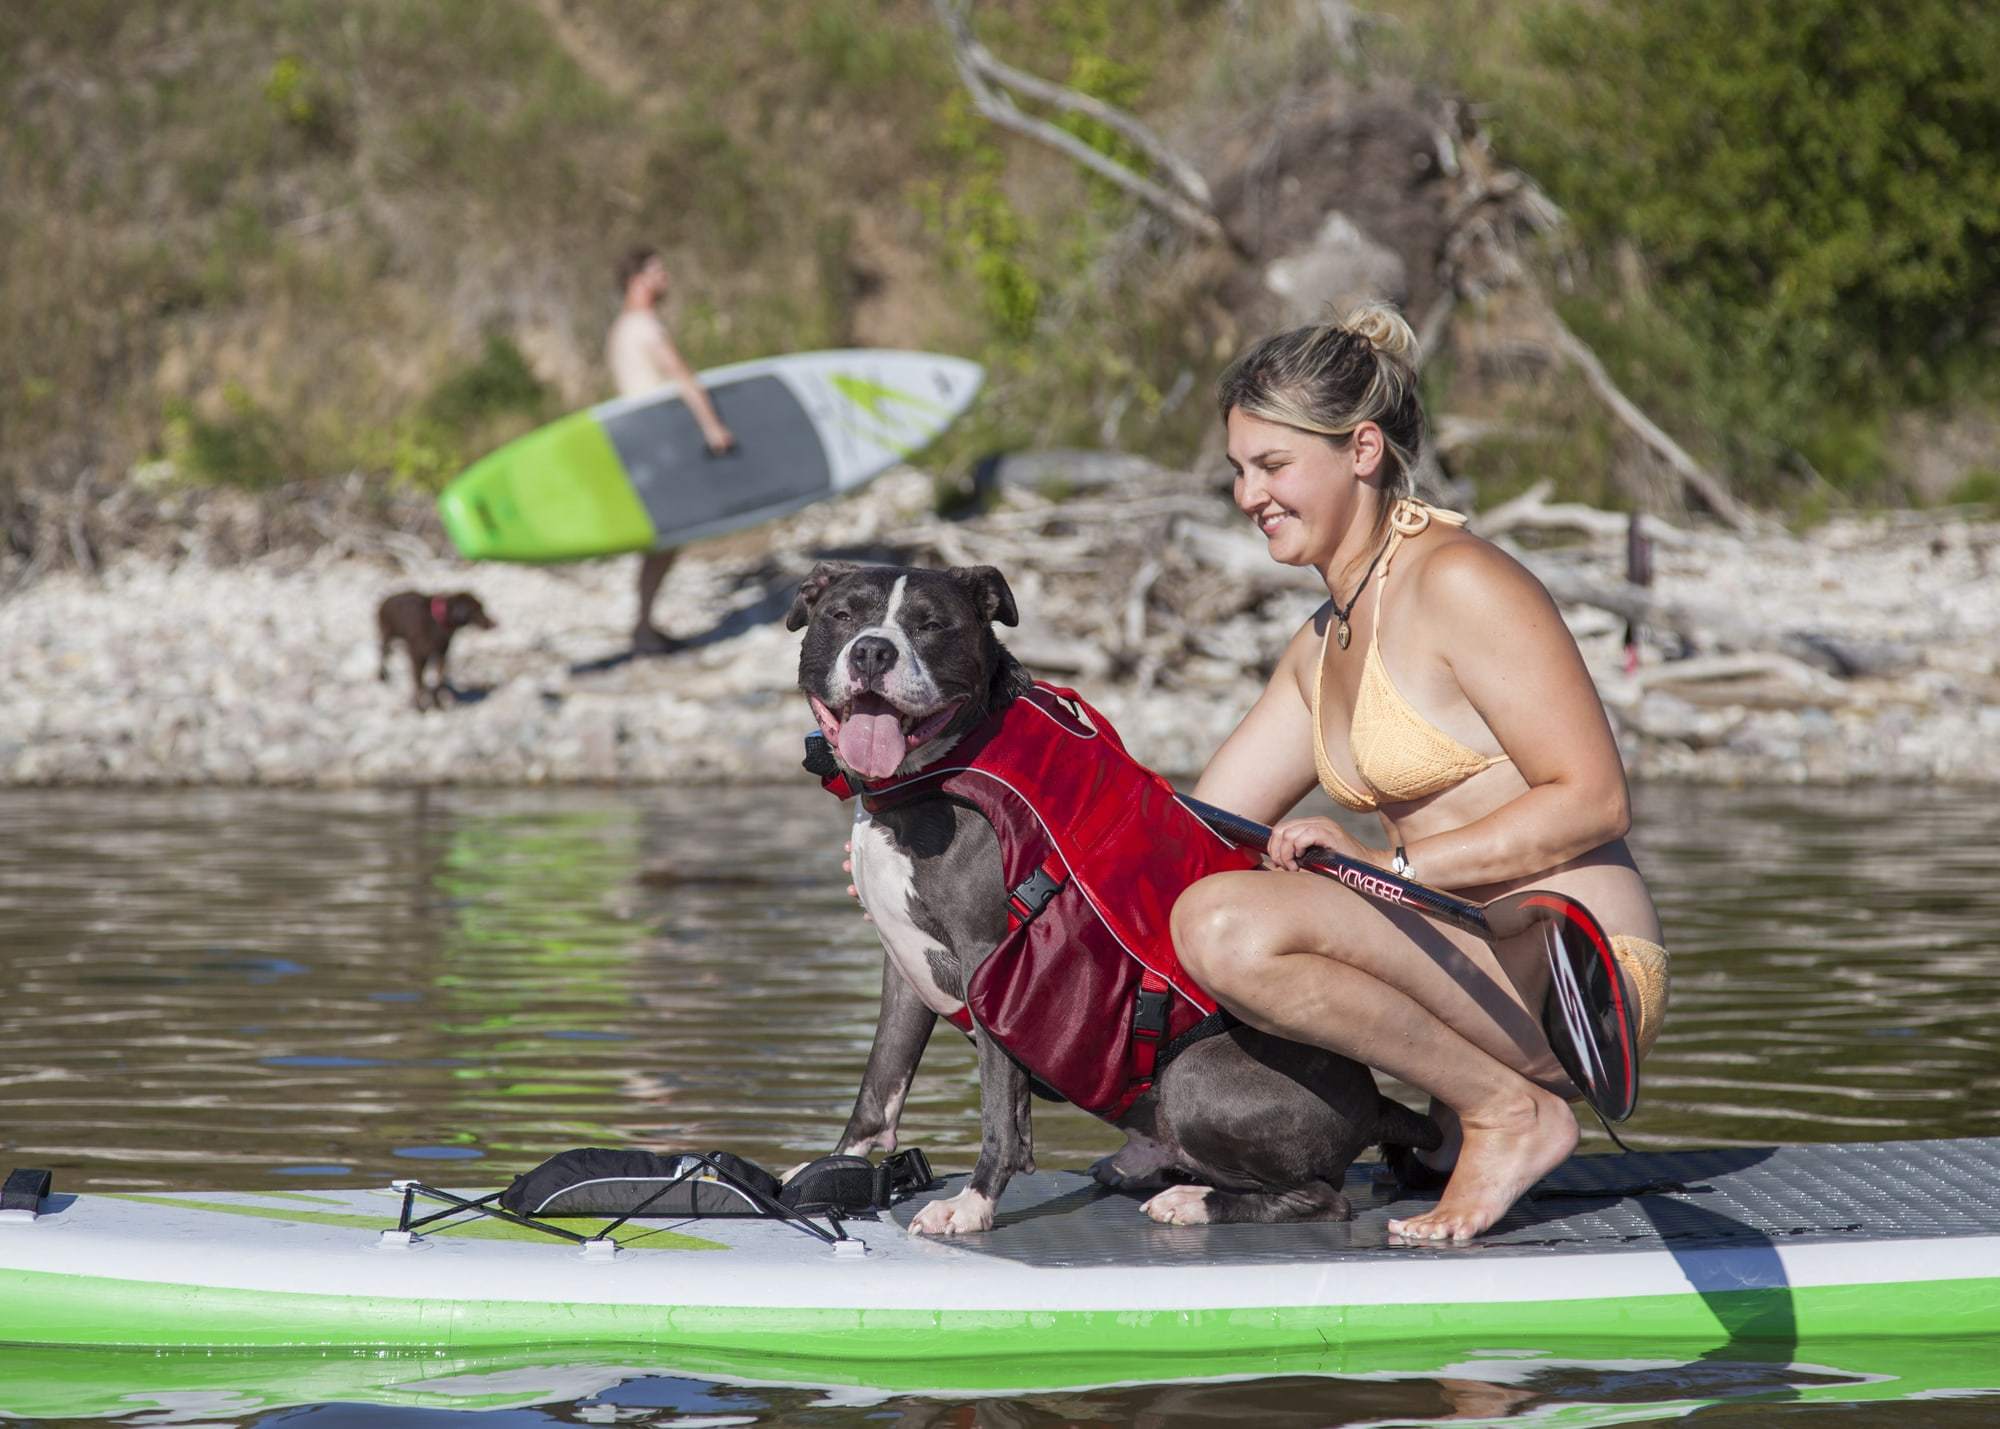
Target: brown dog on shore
column 425, row 625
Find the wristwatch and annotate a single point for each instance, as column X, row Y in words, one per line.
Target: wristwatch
column 1400, row 865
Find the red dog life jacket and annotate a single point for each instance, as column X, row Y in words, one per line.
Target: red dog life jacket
column 1086, row 988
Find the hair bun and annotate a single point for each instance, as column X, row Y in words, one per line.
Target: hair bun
column 1385, row 330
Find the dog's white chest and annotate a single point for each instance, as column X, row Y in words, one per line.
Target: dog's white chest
column 885, row 878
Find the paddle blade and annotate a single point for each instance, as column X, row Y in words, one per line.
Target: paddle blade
column 1590, row 1016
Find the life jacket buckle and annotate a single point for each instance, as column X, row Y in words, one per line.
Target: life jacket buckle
column 1149, row 1013
column 1032, row 894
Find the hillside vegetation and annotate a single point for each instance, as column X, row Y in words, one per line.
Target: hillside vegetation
column 255, row 243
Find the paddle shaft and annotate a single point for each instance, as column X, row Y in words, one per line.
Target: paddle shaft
column 1377, row 883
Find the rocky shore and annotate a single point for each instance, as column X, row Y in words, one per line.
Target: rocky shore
column 1867, row 649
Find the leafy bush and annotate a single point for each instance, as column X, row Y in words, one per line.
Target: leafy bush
column 471, row 409
column 245, row 446
column 1979, row 488
column 977, row 225
column 498, row 382
column 1814, row 185
column 305, row 104
column 853, row 47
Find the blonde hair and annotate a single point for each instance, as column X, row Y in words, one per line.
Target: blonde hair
column 1329, row 378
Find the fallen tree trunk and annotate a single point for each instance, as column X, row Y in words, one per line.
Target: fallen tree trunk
column 1532, row 510
column 1712, row 626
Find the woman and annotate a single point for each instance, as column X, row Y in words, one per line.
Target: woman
column 1440, row 689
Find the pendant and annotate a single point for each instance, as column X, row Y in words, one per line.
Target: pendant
column 1340, row 634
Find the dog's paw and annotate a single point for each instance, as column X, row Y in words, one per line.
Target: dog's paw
column 1141, row 1164
column 1110, row 1174
column 962, row 1214
column 1179, row 1206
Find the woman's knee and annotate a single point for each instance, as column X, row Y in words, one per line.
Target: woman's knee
column 1217, row 933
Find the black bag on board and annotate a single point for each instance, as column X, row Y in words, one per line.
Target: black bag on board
column 601, row 1181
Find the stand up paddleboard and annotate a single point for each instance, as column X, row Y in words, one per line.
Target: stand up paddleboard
column 1785, row 1252
column 634, row 474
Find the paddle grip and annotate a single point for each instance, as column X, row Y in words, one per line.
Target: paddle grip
column 1364, row 878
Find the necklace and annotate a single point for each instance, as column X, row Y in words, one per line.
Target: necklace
column 1340, row 631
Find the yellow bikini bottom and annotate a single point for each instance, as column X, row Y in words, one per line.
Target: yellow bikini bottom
column 1645, row 965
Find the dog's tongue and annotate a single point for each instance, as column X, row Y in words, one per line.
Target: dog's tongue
column 871, row 738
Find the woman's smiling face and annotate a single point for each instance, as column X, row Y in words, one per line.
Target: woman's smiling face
column 1297, row 487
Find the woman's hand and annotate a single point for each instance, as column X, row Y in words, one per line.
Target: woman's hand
column 1290, row 840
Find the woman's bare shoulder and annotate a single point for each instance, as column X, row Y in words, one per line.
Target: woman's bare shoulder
column 1464, row 574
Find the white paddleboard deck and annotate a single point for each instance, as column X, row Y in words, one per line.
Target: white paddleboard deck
column 1841, row 1236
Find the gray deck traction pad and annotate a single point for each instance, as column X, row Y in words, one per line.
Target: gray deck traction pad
column 1745, row 1197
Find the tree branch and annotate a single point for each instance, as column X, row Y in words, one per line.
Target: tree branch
column 1707, row 487
column 1188, row 207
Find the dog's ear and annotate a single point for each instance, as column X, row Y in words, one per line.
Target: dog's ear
column 813, row 587
column 988, row 591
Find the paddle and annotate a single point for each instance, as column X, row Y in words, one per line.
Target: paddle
column 1590, row 1017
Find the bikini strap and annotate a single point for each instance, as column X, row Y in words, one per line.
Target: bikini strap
column 1411, row 516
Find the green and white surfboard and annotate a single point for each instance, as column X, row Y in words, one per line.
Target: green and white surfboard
column 634, row 475
column 1785, row 1249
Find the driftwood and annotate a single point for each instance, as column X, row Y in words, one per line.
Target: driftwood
column 1184, row 198
column 1714, row 626
column 1707, row 487
column 1763, row 678
column 1236, row 554
column 1532, row 510
column 1071, row 467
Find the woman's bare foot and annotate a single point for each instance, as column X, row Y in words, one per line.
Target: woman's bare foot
column 1501, row 1157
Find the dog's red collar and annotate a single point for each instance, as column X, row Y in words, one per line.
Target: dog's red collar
column 439, row 605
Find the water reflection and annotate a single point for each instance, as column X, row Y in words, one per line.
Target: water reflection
column 1863, row 1383
column 215, row 987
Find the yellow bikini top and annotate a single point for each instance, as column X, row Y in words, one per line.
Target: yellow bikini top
column 1398, row 753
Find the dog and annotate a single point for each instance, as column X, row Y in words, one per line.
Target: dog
column 425, row 625
column 899, row 665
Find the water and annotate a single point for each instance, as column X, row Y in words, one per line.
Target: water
column 259, row 990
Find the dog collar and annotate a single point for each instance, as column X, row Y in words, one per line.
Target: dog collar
column 438, row 608
column 820, row 763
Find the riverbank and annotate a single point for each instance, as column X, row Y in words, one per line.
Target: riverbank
column 1868, row 650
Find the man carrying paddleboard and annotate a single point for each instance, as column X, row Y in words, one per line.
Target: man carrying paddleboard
column 1440, row 690
column 643, row 358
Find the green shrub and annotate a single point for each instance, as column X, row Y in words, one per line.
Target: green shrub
column 472, row 409
column 497, row 383
column 1814, row 186
column 246, row 446
column 852, row 46
column 304, row 102
column 1979, row 488
column 979, row 229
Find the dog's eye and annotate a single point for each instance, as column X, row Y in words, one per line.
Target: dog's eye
column 840, row 614
column 931, row 626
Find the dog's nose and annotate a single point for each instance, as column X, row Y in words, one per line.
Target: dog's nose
column 872, row 657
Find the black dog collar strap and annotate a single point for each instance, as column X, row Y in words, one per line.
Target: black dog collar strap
column 820, row 763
